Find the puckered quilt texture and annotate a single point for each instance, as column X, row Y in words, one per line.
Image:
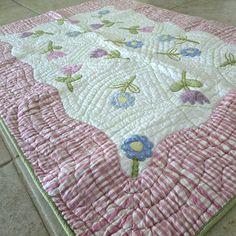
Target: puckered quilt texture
column 126, row 115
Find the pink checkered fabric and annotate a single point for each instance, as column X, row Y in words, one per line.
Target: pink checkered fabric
column 191, row 176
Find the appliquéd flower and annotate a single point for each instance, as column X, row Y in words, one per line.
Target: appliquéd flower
column 190, row 52
column 134, row 44
column 70, row 70
column 137, row 148
column 122, row 100
column 55, row 55
column 194, row 96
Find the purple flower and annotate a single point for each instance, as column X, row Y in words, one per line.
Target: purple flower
column 96, row 26
column 55, row 55
column 194, row 96
column 70, row 70
column 98, row 53
column 74, row 21
column 190, row 52
column 147, row 29
column 26, row 34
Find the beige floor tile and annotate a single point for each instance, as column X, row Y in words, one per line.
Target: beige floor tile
column 18, row 215
column 226, row 226
column 167, row 4
column 46, row 5
column 4, row 154
column 219, row 10
column 11, row 11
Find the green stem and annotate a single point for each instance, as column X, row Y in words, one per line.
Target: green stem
column 187, row 40
column 135, row 168
column 184, row 80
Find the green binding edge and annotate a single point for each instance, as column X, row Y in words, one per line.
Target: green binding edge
column 203, row 230
column 27, row 164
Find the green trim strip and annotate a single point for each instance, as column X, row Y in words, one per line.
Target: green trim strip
column 221, row 213
column 60, row 218
column 55, row 210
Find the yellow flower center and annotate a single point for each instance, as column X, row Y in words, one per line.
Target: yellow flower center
column 136, row 146
column 122, row 99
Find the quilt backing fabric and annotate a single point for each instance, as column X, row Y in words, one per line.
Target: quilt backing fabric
column 126, row 114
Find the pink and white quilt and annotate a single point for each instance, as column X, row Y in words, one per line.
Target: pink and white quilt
column 126, row 114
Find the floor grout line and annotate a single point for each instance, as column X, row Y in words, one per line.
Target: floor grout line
column 22, row 180
column 5, row 163
column 182, row 4
column 25, row 7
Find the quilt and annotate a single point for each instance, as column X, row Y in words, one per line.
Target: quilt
column 125, row 115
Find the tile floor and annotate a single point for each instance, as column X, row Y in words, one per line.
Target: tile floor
column 18, row 214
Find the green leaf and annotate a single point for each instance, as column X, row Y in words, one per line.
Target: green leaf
column 70, row 86
column 115, row 54
column 194, row 83
column 109, row 24
column 39, row 32
column 116, row 86
column 76, row 78
column 57, row 47
column 133, row 88
column 134, row 27
column 133, row 31
column 61, row 79
column 176, row 87
column 61, row 21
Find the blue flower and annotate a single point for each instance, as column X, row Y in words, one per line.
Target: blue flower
column 138, row 147
column 122, row 100
column 104, row 12
column 190, row 52
column 73, row 33
column 165, row 38
column 134, row 44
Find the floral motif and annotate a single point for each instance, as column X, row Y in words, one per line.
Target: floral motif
column 194, row 96
column 147, row 29
column 134, row 44
column 96, row 26
column 127, row 85
column 35, row 34
column 191, row 96
column 61, row 21
column 122, row 100
column 70, row 70
column 106, row 23
column 55, row 55
column 180, row 40
column 190, row 52
column 165, row 38
column 26, row 34
column 109, row 55
column 230, row 60
column 53, row 52
column 98, row 53
column 175, row 55
column 73, row 33
column 136, row 29
column 131, row 44
column 68, row 79
column 137, row 148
